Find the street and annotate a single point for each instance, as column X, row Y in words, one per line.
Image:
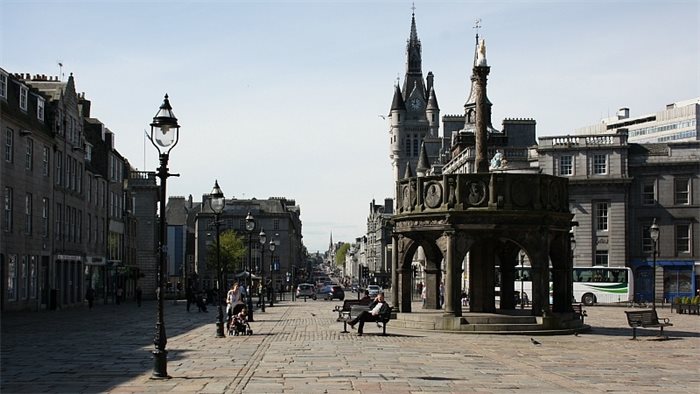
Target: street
column 299, row 347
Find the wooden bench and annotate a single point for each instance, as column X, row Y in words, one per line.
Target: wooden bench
column 579, row 312
column 646, row 318
column 381, row 321
column 344, row 311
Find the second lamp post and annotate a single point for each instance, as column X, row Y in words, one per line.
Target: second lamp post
column 217, row 203
column 654, row 234
column 250, row 226
column 272, row 272
column 262, row 240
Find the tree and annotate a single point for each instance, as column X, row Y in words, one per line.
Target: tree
column 233, row 250
column 340, row 255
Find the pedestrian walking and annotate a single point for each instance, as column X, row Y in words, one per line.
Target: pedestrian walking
column 120, row 293
column 189, row 294
column 90, row 296
column 139, row 295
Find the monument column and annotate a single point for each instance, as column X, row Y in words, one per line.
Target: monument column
column 480, row 72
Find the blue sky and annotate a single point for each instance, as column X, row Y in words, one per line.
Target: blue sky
column 282, row 98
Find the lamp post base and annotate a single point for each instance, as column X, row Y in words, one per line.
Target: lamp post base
column 220, row 323
column 250, row 309
column 160, row 364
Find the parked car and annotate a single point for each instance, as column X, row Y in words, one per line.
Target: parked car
column 374, row 290
column 306, row 290
column 332, row 292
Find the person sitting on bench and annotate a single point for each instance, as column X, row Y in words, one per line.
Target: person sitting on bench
column 377, row 307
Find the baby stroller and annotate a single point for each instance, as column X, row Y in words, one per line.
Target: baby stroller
column 238, row 323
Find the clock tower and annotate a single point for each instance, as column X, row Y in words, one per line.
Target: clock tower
column 414, row 115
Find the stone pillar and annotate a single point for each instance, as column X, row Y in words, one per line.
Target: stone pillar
column 449, row 307
column 432, row 291
column 482, row 278
column 395, row 271
column 405, row 279
column 479, row 75
column 507, row 281
column 562, row 282
column 540, row 282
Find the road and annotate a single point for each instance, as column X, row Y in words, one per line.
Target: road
column 298, row 347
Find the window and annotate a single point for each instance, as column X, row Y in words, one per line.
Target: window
column 12, row 278
column 566, row 167
column 45, row 156
column 276, row 224
column 88, row 152
column 79, row 178
column 29, row 155
column 45, row 217
column 682, row 239
column 649, row 192
column 59, row 167
column 79, row 226
column 89, row 228
column 600, row 164
column 23, row 94
column 89, row 188
column 601, row 258
column 28, row 214
column 415, row 146
column 32, row 277
column 3, row 85
column 601, row 216
column 407, row 143
column 40, row 108
column 57, row 221
column 23, row 277
column 241, row 224
column 7, row 217
column 681, row 194
column 9, row 145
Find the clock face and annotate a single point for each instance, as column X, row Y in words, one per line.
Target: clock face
column 416, row 103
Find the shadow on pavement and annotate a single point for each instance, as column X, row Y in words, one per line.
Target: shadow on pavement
column 98, row 348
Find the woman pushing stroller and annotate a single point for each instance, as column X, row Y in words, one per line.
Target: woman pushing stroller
column 234, row 304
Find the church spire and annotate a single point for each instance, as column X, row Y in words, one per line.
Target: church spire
column 414, row 68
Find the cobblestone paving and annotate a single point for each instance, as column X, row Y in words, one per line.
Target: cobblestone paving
column 298, row 347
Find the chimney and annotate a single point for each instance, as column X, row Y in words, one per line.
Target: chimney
column 623, row 113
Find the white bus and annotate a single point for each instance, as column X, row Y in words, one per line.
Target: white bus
column 591, row 284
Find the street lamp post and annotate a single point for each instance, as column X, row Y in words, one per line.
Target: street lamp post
column 654, row 234
column 272, row 272
column 217, row 203
column 165, row 134
column 250, row 226
column 262, row 240
column 522, row 272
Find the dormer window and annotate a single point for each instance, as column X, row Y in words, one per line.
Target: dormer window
column 3, row 85
column 23, row 94
column 40, row 108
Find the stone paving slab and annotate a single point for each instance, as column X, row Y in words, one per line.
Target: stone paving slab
column 298, row 347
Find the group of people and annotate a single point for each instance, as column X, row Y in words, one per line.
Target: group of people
column 90, row 295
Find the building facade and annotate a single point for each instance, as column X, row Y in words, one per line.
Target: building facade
column 677, row 122
column 63, row 215
column 279, row 217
